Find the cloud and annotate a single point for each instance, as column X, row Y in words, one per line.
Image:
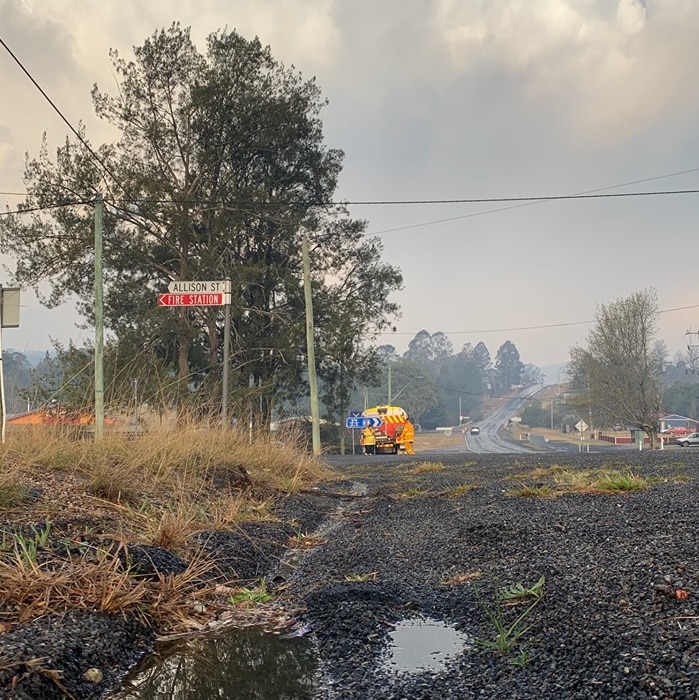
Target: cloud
column 607, row 69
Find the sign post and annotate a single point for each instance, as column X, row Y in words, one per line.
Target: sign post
column 205, row 293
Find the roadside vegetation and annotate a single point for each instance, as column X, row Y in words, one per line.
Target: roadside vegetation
column 70, row 509
column 556, row 480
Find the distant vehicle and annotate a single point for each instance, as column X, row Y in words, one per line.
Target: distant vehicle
column 688, row 440
column 475, row 430
column 675, row 431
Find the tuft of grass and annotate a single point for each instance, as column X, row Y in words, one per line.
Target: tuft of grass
column 97, row 580
column 571, row 480
column 12, row 492
column 458, row 490
column 458, row 579
column 618, row 481
column 533, row 491
column 302, row 541
column 509, row 630
column 371, row 576
column 174, row 528
column 413, row 492
column 427, row 468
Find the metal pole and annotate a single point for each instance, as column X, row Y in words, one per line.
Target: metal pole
column 226, row 355
column 99, row 323
column 312, row 379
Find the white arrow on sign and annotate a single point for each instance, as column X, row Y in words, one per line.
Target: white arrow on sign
column 362, row 422
column 199, row 287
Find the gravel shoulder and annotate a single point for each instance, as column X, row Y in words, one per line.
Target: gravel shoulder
column 404, row 538
column 618, row 618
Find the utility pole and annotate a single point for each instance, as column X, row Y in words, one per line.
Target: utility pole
column 99, row 323
column 390, row 398
column 312, row 380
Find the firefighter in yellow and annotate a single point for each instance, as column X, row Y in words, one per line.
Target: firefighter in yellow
column 368, row 440
column 408, row 437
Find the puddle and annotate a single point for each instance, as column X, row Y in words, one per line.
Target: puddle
column 237, row 666
column 423, row 645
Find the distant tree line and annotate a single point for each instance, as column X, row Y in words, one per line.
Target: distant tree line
column 440, row 387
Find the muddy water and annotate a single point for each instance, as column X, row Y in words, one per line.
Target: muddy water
column 243, row 665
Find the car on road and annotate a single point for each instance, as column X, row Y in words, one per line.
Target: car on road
column 475, row 430
column 688, row 440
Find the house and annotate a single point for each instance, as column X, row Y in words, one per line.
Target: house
column 676, row 424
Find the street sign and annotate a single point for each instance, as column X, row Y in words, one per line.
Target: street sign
column 199, row 287
column 208, row 299
column 581, row 425
column 355, row 414
column 362, row 422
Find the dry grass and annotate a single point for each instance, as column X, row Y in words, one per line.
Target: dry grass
column 157, row 489
column 459, row 579
column 96, row 580
column 427, row 468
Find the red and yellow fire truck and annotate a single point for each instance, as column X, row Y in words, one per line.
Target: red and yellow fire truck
column 392, row 432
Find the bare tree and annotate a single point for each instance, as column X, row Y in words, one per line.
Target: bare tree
column 617, row 372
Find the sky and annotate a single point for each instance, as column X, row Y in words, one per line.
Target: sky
column 439, row 100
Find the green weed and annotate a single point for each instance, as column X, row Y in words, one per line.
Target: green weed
column 508, row 632
column 251, row 596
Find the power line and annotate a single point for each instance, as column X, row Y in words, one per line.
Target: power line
column 527, row 204
column 528, row 328
column 45, row 207
column 546, row 198
column 528, row 200
column 61, row 115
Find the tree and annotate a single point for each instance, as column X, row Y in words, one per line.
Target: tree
column 508, row 367
column 219, row 170
column 617, row 372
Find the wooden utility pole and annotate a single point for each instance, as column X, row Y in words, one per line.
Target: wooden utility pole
column 99, row 323
column 312, row 380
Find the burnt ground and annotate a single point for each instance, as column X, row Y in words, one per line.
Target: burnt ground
column 404, row 539
column 619, row 615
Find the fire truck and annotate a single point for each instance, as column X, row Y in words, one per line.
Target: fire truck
column 392, row 432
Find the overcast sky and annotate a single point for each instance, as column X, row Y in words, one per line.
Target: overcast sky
column 441, row 99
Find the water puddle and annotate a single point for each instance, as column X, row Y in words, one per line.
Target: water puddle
column 240, row 665
column 423, row 645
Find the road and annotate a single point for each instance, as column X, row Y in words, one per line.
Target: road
column 488, row 441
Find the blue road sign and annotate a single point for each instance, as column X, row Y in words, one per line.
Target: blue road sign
column 355, row 414
column 362, row 422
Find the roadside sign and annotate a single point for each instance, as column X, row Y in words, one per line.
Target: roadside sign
column 208, row 299
column 362, row 422
column 355, row 414
column 199, row 287
column 581, row 425
column 9, row 312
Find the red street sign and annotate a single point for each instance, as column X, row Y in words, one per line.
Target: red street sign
column 218, row 299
